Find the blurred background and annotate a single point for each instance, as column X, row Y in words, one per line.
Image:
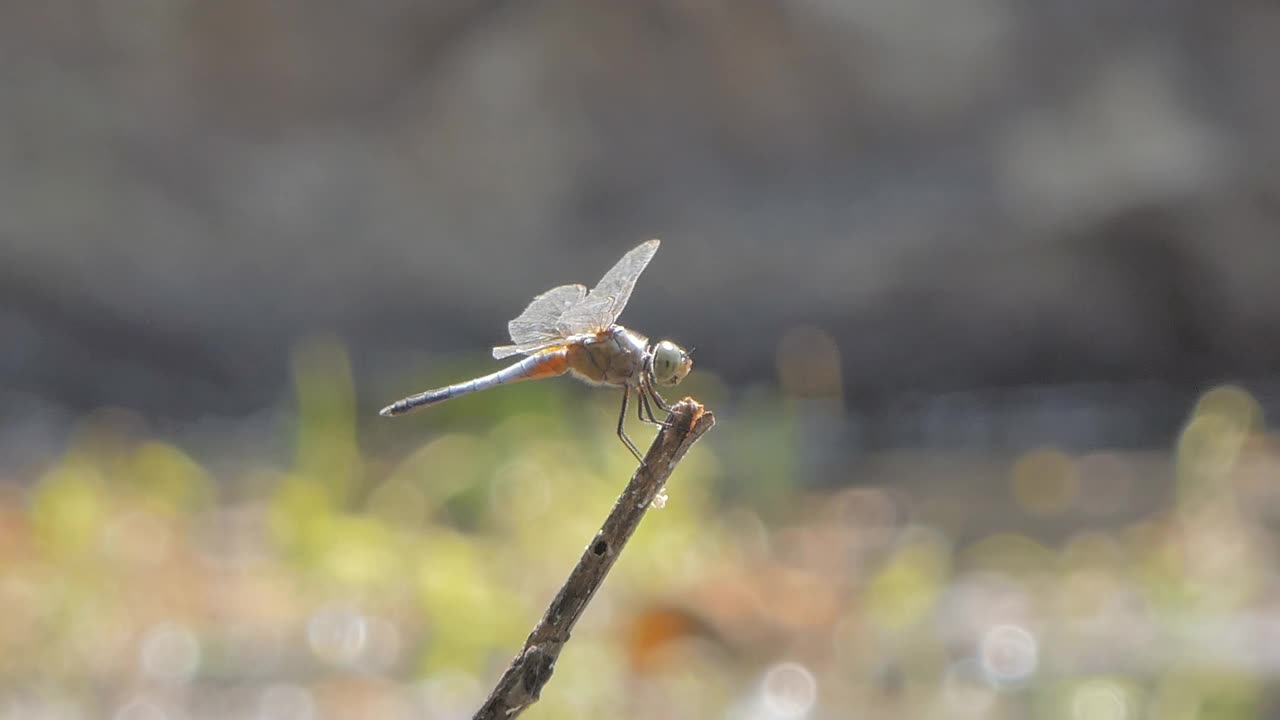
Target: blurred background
column 983, row 295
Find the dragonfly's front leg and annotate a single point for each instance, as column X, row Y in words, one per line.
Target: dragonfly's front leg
column 657, row 399
column 647, row 410
column 645, row 392
column 622, row 419
column 643, row 409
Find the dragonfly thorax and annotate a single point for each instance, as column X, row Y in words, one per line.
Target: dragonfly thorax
column 616, row 356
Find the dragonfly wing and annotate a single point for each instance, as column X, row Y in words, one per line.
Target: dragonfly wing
column 599, row 309
column 538, row 321
column 535, row 328
column 529, row 348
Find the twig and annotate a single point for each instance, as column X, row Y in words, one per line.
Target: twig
column 520, row 686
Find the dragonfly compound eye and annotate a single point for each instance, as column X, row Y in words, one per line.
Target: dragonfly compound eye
column 670, row 363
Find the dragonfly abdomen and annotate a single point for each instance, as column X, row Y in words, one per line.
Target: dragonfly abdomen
column 548, row 363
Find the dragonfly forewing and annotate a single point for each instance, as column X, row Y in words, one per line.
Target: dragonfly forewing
column 602, row 306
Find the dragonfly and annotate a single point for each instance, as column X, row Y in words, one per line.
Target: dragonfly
column 570, row 330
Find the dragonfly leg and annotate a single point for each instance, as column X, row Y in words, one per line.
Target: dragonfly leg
column 647, row 410
column 657, row 399
column 644, row 409
column 622, row 419
column 641, row 406
column 646, row 392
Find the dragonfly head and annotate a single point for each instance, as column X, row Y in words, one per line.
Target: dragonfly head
column 671, row 363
